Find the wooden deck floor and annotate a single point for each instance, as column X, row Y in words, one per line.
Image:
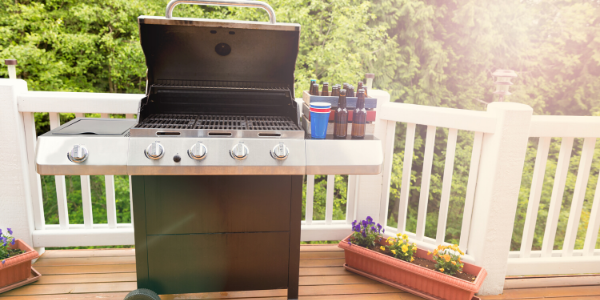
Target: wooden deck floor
column 110, row 274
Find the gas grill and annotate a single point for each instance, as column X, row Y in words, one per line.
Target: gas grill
column 216, row 154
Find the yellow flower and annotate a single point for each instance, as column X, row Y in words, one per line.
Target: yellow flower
column 391, row 242
column 398, row 234
column 412, row 259
column 447, row 257
column 414, row 249
column 404, row 248
column 394, row 251
column 454, row 263
column 404, row 236
column 382, row 248
column 435, row 252
column 442, row 270
column 428, row 252
column 459, row 259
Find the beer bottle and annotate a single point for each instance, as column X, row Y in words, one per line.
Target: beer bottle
column 345, row 87
column 335, row 91
column 340, row 127
column 315, row 89
column 325, row 91
column 351, row 91
column 359, row 118
column 312, row 81
column 366, row 94
column 359, row 85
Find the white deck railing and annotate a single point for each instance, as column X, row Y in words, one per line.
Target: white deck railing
column 500, row 141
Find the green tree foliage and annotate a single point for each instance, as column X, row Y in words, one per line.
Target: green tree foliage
column 427, row 52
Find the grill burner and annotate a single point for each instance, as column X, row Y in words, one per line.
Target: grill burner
column 222, row 122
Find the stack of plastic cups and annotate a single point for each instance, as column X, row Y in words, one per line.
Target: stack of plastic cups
column 319, row 118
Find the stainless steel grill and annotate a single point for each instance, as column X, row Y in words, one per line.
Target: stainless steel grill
column 218, row 122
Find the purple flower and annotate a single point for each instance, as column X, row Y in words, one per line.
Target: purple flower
column 12, row 242
column 3, row 261
column 353, row 222
column 383, row 230
column 349, row 243
column 0, row 231
column 364, row 223
column 369, row 219
column 9, row 231
column 373, row 228
column 364, row 234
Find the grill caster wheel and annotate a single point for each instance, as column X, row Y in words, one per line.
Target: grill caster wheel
column 142, row 294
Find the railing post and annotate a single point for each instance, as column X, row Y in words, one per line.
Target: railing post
column 369, row 188
column 497, row 191
column 15, row 198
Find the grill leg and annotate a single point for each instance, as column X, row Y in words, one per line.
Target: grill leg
column 295, row 220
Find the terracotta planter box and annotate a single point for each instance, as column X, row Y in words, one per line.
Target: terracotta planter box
column 412, row 278
column 17, row 268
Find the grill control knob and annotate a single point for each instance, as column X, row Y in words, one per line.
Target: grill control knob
column 78, row 154
column 280, row 152
column 197, row 151
column 176, row 158
column 239, row 151
column 155, row 151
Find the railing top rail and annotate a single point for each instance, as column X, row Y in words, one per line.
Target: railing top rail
column 78, row 102
column 462, row 119
column 565, row 126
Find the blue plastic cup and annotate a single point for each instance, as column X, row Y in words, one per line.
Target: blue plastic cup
column 319, row 118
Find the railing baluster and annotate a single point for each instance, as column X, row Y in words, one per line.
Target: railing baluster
column 583, row 174
column 446, row 185
column 86, row 195
column 61, row 191
column 535, row 194
column 86, row 202
column 34, row 177
column 351, row 199
column 130, row 116
column 425, row 182
column 310, row 195
column 470, row 196
column 406, row 172
column 388, row 160
column 329, row 199
column 591, row 234
column 562, row 169
column 111, row 210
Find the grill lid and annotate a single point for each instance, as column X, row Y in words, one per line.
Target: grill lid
column 202, row 52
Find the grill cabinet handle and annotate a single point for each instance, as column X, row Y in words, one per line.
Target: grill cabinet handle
column 240, row 3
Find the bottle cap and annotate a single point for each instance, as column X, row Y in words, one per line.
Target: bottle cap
column 10, row 62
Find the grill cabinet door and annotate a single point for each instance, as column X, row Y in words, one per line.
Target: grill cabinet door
column 211, row 204
column 218, row 262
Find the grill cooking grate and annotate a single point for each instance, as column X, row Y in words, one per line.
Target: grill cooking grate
column 168, row 121
column 222, row 122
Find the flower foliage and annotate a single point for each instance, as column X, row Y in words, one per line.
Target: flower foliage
column 401, row 248
column 6, row 241
column 447, row 259
column 366, row 232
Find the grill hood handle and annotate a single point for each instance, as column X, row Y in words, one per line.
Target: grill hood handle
column 240, row 3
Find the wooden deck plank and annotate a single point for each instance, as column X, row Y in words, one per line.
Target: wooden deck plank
column 519, row 283
column 62, row 270
column 551, row 292
column 88, row 253
column 326, row 271
column 86, row 278
column 72, row 288
column 95, row 296
column 321, row 255
column 311, row 263
column 320, row 248
column 85, row 261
